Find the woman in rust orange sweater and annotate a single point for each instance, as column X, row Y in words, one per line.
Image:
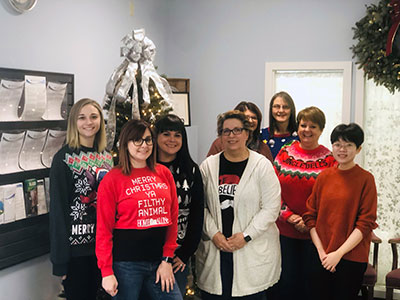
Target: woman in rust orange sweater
column 341, row 214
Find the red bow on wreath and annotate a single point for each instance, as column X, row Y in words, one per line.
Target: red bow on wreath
column 395, row 16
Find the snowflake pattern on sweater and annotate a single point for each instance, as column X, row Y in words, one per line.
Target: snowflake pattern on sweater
column 88, row 169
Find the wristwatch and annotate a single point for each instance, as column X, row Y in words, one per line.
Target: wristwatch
column 167, row 259
column 247, row 238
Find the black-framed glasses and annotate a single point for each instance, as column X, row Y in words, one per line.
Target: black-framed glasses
column 235, row 131
column 148, row 140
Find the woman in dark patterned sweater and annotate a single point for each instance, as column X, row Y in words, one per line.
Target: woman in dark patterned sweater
column 173, row 152
column 75, row 175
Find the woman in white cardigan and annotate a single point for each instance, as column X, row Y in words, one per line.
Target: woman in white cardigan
column 239, row 255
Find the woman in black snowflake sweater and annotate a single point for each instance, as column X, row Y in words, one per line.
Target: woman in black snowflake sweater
column 173, row 152
column 75, row 174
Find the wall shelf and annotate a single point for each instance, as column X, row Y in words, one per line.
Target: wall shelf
column 26, row 125
column 28, row 238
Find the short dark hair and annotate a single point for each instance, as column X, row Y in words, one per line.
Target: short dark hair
column 350, row 133
column 133, row 130
column 292, row 126
column 172, row 122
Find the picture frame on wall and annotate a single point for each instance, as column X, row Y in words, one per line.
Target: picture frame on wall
column 181, row 106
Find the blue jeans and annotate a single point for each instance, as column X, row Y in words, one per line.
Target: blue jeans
column 132, row 276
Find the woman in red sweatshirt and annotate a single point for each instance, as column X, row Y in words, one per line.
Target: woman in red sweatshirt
column 341, row 214
column 137, row 221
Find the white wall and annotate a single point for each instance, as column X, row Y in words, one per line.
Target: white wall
column 222, row 46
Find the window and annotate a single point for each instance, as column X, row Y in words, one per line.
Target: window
column 326, row 85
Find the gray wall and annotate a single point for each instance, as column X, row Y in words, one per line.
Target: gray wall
column 221, row 45
column 78, row 36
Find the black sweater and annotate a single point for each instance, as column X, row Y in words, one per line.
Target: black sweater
column 74, row 178
column 191, row 209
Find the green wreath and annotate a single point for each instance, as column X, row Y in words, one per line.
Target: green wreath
column 370, row 51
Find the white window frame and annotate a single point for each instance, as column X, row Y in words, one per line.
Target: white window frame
column 359, row 97
column 342, row 66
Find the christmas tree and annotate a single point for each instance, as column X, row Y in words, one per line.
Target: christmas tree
column 148, row 112
column 135, row 90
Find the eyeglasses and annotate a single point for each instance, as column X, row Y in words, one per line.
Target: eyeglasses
column 344, row 146
column 277, row 106
column 235, row 131
column 139, row 142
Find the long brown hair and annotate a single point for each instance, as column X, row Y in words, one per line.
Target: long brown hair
column 243, row 106
column 133, row 130
column 292, row 126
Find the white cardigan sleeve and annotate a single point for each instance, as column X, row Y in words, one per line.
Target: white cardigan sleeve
column 210, row 227
column 270, row 194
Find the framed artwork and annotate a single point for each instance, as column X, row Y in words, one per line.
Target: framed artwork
column 179, row 85
column 181, row 107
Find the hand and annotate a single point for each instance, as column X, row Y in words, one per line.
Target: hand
column 110, row 285
column 64, row 277
column 237, row 241
column 294, row 219
column 166, row 275
column 331, row 260
column 321, row 254
column 178, row 264
column 301, row 226
column 221, row 242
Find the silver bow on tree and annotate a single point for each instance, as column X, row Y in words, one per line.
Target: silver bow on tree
column 139, row 52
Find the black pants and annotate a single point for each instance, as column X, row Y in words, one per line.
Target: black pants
column 343, row 284
column 294, row 281
column 83, row 278
column 227, row 281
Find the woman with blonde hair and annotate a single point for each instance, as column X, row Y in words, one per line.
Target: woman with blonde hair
column 75, row 174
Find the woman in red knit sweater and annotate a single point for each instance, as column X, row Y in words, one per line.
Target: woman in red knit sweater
column 137, row 214
column 341, row 214
column 297, row 165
